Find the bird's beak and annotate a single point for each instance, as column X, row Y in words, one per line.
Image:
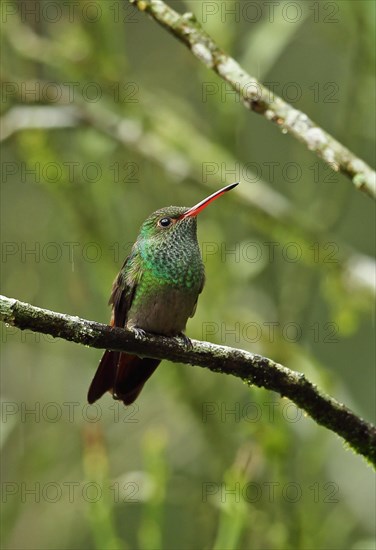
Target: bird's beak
column 196, row 209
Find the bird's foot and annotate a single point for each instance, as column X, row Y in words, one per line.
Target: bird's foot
column 138, row 332
column 186, row 341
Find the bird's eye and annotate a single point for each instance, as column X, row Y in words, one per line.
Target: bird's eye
column 165, row 222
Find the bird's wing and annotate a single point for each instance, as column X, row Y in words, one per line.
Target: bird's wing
column 112, row 369
column 123, row 290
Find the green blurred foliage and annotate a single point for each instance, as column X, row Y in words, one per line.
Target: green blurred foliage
column 200, row 461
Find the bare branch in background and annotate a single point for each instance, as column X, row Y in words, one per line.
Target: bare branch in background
column 258, row 98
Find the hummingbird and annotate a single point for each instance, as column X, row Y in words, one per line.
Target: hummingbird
column 155, row 291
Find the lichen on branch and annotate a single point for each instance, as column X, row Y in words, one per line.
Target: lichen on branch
column 258, row 98
column 254, row 369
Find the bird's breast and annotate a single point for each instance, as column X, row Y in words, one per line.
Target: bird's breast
column 167, row 289
column 162, row 310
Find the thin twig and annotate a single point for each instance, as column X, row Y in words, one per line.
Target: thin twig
column 258, row 98
column 254, row 369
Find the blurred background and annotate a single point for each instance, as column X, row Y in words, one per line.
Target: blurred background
column 105, row 118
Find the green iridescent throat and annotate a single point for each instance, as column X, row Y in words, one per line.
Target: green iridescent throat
column 171, row 256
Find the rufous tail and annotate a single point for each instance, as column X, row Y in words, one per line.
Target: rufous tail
column 122, row 374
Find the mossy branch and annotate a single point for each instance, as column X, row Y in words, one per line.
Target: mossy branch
column 258, row 98
column 254, row 369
